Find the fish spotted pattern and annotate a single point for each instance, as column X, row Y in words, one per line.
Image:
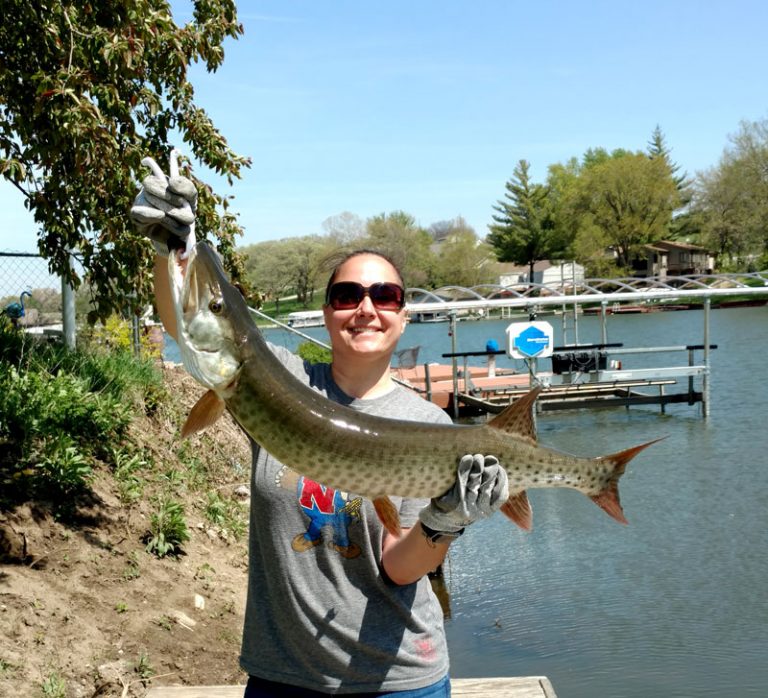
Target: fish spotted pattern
column 375, row 457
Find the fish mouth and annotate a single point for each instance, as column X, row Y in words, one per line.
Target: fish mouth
column 197, row 281
column 201, row 294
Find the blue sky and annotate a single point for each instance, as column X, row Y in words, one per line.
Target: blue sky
column 426, row 106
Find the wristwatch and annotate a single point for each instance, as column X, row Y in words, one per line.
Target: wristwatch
column 440, row 536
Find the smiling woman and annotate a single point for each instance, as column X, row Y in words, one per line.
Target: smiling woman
column 365, row 318
column 346, row 565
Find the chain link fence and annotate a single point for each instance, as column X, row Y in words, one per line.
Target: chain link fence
column 30, row 296
column 34, row 299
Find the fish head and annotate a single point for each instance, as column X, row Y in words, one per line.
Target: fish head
column 202, row 298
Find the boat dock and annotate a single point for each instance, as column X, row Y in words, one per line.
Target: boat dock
column 496, row 687
column 596, row 375
column 582, row 377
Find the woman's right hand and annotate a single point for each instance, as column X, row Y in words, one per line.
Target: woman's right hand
column 164, row 209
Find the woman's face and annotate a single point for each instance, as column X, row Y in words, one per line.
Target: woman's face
column 365, row 332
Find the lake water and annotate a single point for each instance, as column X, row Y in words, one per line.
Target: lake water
column 674, row 605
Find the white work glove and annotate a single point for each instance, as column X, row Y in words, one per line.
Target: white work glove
column 164, row 210
column 480, row 489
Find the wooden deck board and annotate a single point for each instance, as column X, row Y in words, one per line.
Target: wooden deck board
column 499, row 687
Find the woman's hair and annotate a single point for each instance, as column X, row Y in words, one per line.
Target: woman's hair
column 334, row 261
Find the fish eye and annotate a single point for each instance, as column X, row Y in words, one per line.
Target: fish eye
column 216, row 306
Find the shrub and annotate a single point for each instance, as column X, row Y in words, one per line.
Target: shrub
column 62, row 409
column 313, row 353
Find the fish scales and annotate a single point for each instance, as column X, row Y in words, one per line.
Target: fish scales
column 342, row 447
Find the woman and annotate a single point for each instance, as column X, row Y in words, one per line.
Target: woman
column 335, row 603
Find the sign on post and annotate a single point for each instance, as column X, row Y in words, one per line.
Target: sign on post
column 529, row 340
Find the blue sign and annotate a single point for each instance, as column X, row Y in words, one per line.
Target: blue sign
column 526, row 340
column 531, row 342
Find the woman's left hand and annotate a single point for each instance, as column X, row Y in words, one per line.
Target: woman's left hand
column 480, row 489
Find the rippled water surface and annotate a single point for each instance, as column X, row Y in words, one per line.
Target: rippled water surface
column 676, row 603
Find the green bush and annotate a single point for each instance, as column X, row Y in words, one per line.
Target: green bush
column 60, row 410
column 313, row 353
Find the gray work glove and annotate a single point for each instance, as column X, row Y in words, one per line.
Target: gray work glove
column 480, row 489
column 164, row 210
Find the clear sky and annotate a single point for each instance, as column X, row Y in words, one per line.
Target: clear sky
column 427, row 105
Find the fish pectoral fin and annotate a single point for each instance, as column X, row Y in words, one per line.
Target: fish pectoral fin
column 518, row 417
column 388, row 515
column 518, row 509
column 287, row 478
column 206, row 411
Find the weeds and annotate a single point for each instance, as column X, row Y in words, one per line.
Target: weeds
column 168, row 528
column 227, row 514
column 54, row 686
column 132, row 570
column 313, row 353
column 130, row 486
column 5, row 667
column 143, row 668
column 165, row 622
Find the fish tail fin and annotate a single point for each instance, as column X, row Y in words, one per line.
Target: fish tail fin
column 205, row 412
column 388, row 515
column 518, row 509
column 608, row 498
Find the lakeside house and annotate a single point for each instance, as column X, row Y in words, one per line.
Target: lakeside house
column 668, row 258
column 545, row 272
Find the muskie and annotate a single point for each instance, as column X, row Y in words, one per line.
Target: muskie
column 222, row 348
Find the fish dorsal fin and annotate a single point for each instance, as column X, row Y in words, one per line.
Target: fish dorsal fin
column 518, row 417
column 205, row 412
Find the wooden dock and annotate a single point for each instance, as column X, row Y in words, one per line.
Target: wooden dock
column 497, row 687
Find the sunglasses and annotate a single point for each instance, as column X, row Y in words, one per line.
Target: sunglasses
column 346, row 295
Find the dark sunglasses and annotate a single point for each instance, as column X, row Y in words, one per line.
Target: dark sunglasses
column 346, row 295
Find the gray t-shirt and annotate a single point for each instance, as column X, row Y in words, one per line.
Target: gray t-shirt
column 320, row 612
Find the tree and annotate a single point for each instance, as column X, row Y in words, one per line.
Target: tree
column 731, row 199
column 86, row 91
column 406, row 243
column 290, row 265
column 344, row 229
column 657, row 148
column 269, row 268
column 562, row 192
column 461, row 259
column 523, row 231
column 682, row 222
column 625, row 202
column 307, row 253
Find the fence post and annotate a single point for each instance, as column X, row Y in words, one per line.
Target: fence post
column 68, row 309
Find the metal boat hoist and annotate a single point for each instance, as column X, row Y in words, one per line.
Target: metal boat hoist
column 604, row 294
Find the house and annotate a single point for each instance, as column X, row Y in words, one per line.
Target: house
column 545, row 272
column 667, row 258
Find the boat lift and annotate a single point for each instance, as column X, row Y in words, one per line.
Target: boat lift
column 531, row 298
column 607, row 293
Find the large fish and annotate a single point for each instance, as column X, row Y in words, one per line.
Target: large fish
column 222, row 348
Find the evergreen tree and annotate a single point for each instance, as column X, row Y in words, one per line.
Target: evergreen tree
column 657, row 148
column 523, row 229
